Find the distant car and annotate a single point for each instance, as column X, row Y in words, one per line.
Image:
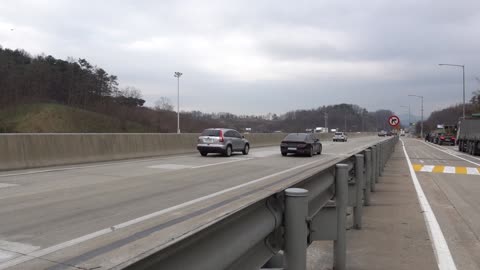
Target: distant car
column 222, row 140
column 301, row 143
column 382, row 133
column 443, row 138
column 340, row 137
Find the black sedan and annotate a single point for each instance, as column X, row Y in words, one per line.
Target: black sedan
column 301, row 143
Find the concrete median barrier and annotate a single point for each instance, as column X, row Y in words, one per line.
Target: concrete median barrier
column 21, row 151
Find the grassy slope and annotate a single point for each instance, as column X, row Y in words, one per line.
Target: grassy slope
column 48, row 117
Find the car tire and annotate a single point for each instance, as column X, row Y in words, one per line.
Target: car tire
column 319, row 150
column 284, row 154
column 246, row 149
column 310, row 152
column 228, row 151
column 204, row 154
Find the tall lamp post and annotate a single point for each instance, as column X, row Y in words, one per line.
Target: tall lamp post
column 421, row 123
column 463, row 71
column 177, row 75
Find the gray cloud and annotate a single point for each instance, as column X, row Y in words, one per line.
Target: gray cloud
column 263, row 56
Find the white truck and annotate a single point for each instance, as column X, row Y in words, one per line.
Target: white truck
column 321, row 130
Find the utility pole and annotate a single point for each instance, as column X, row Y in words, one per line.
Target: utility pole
column 326, row 120
column 421, row 123
column 345, row 130
column 177, row 75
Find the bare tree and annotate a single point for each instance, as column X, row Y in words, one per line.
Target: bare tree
column 163, row 104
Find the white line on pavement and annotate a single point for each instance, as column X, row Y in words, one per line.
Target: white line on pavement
column 473, row 171
column 219, row 163
column 448, row 152
column 449, row 169
column 427, row 168
column 440, row 246
column 88, row 166
column 6, row 185
column 48, row 250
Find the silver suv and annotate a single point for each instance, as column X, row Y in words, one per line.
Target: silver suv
column 340, row 136
column 222, row 140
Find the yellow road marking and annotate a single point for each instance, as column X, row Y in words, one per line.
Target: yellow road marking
column 417, row 167
column 438, row 169
column 446, row 169
column 461, row 170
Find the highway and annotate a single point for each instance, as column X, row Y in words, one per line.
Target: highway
column 108, row 214
column 451, row 182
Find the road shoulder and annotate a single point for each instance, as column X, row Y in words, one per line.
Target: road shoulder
column 394, row 235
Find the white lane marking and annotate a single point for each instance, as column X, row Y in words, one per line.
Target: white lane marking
column 427, row 168
column 265, row 153
column 440, row 246
column 472, row 171
column 448, row 152
column 9, row 250
column 456, row 151
column 220, row 163
column 449, row 169
column 169, row 166
column 6, row 185
column 43, row 252
column 89, row 166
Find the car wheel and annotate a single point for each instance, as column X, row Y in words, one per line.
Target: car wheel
column 284, row 154
column 204, row 154
column 246, row 149
column 310, row 152
column 319, row 150
column 228, row 151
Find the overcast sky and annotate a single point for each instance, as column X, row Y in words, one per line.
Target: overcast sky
column 255, row 57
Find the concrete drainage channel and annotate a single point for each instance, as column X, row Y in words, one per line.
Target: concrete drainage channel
column 274, row 232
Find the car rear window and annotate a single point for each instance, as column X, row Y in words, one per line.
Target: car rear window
column 296, row 137
column 211, row 132
column 338, row 133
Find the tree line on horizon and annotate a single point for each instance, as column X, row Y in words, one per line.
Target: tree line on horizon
column 77, row 83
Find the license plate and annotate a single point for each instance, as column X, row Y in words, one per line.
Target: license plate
column 292, row 148
column 208, row 140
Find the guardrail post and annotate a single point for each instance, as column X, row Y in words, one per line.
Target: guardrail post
column 359, row 182
column 374, row 168
column 368, row 176
column 341, row 200
column 380, row 160
column 296, row 230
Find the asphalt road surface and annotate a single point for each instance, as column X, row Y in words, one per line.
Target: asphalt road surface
column 52, row 218
column 451, row 182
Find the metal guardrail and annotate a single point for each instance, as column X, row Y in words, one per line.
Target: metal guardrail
column 274, row 233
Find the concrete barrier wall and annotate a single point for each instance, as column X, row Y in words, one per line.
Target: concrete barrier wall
column 20, row 151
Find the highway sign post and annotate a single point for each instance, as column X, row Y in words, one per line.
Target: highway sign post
column 394, row 121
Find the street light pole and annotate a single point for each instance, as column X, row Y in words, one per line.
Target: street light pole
column 463, row 71
column 177, row 75
column 421, row 123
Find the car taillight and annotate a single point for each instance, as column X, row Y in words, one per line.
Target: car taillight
column 453, row 138
column 221, row 136
column 442, row 138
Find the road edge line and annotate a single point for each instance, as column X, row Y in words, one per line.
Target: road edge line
column 439, row 244
column 446, row 151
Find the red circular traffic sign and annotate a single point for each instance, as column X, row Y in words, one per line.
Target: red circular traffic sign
column 394, row 121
